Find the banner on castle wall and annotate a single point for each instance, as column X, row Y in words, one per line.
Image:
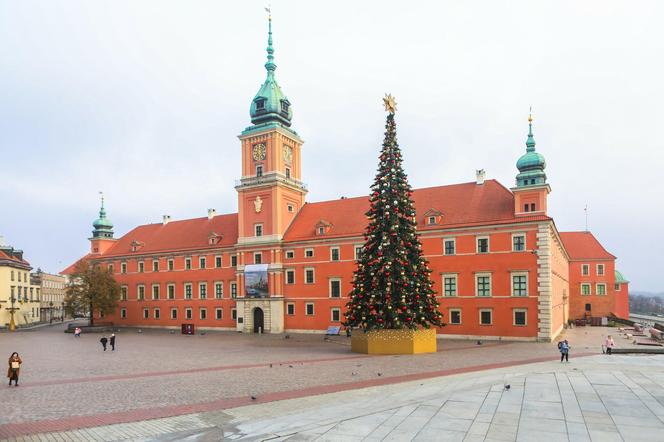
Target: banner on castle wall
column 255, row 281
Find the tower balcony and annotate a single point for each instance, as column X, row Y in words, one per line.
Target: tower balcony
column 270, row 178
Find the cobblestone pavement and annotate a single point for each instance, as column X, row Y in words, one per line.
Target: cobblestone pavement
column 69, row 382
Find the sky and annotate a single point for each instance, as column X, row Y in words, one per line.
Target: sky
column 144, row 100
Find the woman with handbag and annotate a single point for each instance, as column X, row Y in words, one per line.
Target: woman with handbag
column 14, row 368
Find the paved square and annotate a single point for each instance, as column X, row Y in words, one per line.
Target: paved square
column 69, row 383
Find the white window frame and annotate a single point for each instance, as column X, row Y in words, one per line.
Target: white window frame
column 512, row 275
column 306, row 309
column 202, row 262
column 290, row 208
column 168, row 289
column 307, row 251
column 597, row 267
column 482, row 275
column 597, row 286
column 156, row 313
column 332, row 249
column 233, row 287
column 155, row 265
column 218, row 313
column 525, row 245
column 332, row 311
column 123, row 268
column 123, row 313
column 590, row 289
column 329, row 285
column 260, row 257
column 356, row 255
column 174, row 310
column 616, row 286
column 124, row 293
column 191, row 290
column 313, row 272
column 234, row 314
column 453, row 240
column 141, row 266
column 520, row 310
column 146, row 313
column 585, row 272
column 110, row 268
column 202, row 310
column 490, row 310
column 477, row 244
column 431, row 220
column 290, row 254
column 202, row 294
column 290, row 304
column 170, row 265
column 152, row 292
column 218, row 259
column 188, row 313
column 138, row 292
column 258, row 230
column 460, row 316
column 219, row 294
column 456, row 284
column 290, row 272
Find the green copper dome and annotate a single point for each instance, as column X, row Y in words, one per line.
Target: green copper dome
column 270, row 104
column 531, row 165
column 620, row 279
column 103, row 226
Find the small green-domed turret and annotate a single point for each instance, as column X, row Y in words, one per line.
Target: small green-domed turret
column 531, row 165
column 103, row 226
column 270, row 104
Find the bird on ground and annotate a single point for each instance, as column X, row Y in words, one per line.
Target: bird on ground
column 380, row 374
column 253, row 398
column 290, row 366
column 508, row 386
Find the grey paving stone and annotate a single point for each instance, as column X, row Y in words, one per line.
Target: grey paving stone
column 502, row 432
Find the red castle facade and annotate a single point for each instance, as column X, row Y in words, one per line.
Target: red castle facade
column 500, row 266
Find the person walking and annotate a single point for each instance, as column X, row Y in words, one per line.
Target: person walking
column 112, row 342
column 564, row 351
column 77, row 332
column 103, row 341
column 14, row 368
column 609, row 345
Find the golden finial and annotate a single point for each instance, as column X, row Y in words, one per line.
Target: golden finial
column 268, row 9
column 390, row 104
column 530, row 115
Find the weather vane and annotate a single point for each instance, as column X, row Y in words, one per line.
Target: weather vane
column 268, row 9
column 530, row 115
column 390, row 104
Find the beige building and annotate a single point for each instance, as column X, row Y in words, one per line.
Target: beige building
column 17, row 294
column 52, row 298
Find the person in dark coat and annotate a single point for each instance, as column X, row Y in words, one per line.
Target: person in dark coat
column 14, row 368
column 112, row 342
column 103, row 341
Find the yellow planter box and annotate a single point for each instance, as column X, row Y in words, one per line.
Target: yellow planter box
column 394, row 342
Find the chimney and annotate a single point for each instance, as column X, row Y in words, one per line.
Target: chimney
column 212, row 213
column 167, row 219
column 479, row 175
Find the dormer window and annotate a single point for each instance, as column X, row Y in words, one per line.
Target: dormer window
column 432, row 220
column 433, row 217
column 284, row 106
column 260, row 104
column 322, row 227
column 321, row 230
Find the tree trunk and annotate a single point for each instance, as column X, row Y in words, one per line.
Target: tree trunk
column 92, row 319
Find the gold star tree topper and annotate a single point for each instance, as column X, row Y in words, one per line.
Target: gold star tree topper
column 390, row 103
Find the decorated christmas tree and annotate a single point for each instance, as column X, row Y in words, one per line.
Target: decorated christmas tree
column 391, row 285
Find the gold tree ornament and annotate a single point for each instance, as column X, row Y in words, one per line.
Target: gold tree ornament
column 390, row 103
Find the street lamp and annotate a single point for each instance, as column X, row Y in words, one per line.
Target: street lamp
column 12, row 309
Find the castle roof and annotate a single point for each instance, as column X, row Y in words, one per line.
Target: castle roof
column 13, row 258
column 584, row 245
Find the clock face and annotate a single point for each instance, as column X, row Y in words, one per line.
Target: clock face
column 288, row 154
column 258, row 152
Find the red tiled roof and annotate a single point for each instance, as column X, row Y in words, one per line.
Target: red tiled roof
column 464, row 204
column 583, row 245
column 178, row 235
column 69, row 270
column 8, row 256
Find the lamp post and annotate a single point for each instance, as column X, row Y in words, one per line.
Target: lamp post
column 12, row 309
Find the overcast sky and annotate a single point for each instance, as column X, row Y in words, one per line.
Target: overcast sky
column 144, row 100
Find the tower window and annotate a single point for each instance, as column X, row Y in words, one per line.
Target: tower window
column 284, row 107
column 532, row 181
column 258, row 230
column 259, row 170
column 532, row 207
column 260, row 104
column 526, row 208
column 288, row 172
column 258, row 258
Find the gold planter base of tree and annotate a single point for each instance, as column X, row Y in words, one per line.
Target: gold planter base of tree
column 394, row 342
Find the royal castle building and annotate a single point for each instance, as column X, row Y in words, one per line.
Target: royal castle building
column 282, row 264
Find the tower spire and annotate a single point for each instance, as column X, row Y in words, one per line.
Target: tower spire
column 103, row 227
column 270, row 66
column 530, row 142
column 531, row 165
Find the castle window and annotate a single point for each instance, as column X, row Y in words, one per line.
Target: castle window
column 171, row 265
column 259, row 170
column 486, row 317
column 532, row 206
column 170, row 291
column 141, row 292
column 600, row 289
column 284, row 107
column 308, row 253
column 217, row 261
column 519, row 284
column 201, row 263
column 585, row 269
column 585, row 289
column 234, row 314
column 203, row 313
column 483, row 284
column 450, row 246
column 588, row 307
column 483, row 244
column 309, row 309
column 290, row 309
column 290, row 254
column 450, row 285
column 141, row 267
column 358, row 252
column 123, row 293
column 110, row 268
column 234, row 261
column 202, row 291
column 219, row 290
column 520, row 317
column 335, row 288
column 309, row 276
column 455, row 316
column 258, row 258
column 518, row 242
column 526, row 208
column 258, row 230
column 233, row 290
column 290, row 208
column 188, row 313
column 260, row 104
column 218, row 313
column 616, row 286
column 155, row 265
column 187, row 291
column 321, row 230
column 174, row 313
column 155, row 292
column 146, row 313
column 290, row 276
column 334, row 254
column 336, row 315
column 157, row 313
column 432, row 220
column 187, row 263
column 600, row 269
column 123, row 313
column 288, row 172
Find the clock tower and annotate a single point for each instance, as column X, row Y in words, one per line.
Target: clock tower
column 270, row 194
